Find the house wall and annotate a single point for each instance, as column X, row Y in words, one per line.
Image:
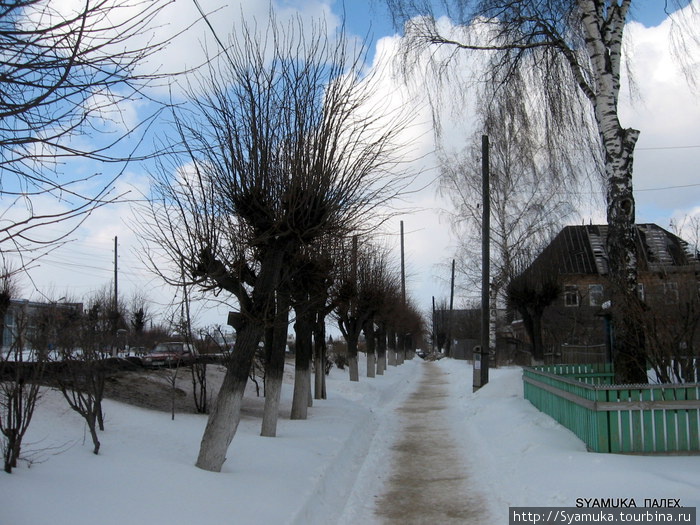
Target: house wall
column 578, row 333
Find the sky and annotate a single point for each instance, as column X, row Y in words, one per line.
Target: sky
column 666, row 175
column 332, row 468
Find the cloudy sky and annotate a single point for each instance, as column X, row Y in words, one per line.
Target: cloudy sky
column 666, row 163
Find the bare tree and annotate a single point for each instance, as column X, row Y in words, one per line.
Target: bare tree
column 282, row 147
column 525, row 212
column 571, row 53
column 351, row 264
column 21, row 371
column 441, row 324
column 66, row 74
column 530, row 294
column 79, row 370
column 139, row 315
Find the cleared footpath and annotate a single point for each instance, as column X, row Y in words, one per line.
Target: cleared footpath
column 428, row 482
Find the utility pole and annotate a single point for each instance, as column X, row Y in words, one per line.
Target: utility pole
column 402, row 326
column 450, row 319
column 433, row 326
column 115, row 305
column 116, row 288
column 481, row 358
column 403, row 271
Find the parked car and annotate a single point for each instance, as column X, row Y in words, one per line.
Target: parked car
column 170, row 354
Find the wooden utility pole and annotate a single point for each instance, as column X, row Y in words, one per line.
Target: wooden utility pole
column 450, row 319
column 353, row 278
column 403, row 271
column 115, row 303
column 481, row 359
column 433, row 325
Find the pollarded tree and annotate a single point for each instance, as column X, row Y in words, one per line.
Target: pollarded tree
column 570, row 52
column 282, row 145
column 351, row 265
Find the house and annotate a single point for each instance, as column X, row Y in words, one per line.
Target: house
column 465, row 332
column 22, row 316
column 575, row 325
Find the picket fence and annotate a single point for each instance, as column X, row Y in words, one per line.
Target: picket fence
column 636, row 419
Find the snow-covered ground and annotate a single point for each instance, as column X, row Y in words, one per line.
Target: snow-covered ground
column 326, row 470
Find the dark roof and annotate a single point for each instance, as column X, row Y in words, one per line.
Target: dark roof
column 582, row 250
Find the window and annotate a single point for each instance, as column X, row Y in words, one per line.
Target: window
column 570, row 295
column 671, row 293
column 595, row 294
column 640, row 291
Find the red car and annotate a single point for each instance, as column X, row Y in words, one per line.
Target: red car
column 170, row 354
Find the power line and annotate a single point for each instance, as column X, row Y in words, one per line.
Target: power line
column 669, row 187
column 651, row 148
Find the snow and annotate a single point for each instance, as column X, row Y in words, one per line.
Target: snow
column 327, row 469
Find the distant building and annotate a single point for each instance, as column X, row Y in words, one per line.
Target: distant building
column 22, row 315
column 465, row 331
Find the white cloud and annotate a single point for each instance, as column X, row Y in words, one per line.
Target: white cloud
column 667, row 113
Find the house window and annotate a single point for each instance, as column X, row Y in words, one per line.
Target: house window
column 640, row 291
column 671, row 293
column 570, row 295
column 595, row 294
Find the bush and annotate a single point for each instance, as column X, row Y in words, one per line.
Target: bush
column 340, row 360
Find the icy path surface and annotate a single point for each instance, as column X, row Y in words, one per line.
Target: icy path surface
column 429, row 481
column 414, row 471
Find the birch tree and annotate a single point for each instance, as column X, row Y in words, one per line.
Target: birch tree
column 525, row 212
column 571, row 53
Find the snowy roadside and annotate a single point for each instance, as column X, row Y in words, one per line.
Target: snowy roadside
column 520, row 457
column 145, row 474
column 327, row 470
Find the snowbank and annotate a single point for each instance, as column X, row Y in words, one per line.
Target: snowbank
column 521, row 457
column 145, row 472
column 326, row 470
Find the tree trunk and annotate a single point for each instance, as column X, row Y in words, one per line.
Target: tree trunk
column 224, row 418
column 353, row 368
column 381, row 349
column 370, row 342
column 604, row 47
column 92, row 426
column 274, row 366
column 303, row 328
column 629, row 353
column 493, row 313
column 391, row 347
column 319, row 357
column 226, row 414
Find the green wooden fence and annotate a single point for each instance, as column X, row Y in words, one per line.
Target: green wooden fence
column 645, row 419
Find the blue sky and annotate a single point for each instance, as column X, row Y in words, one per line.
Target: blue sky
column 667, row 113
